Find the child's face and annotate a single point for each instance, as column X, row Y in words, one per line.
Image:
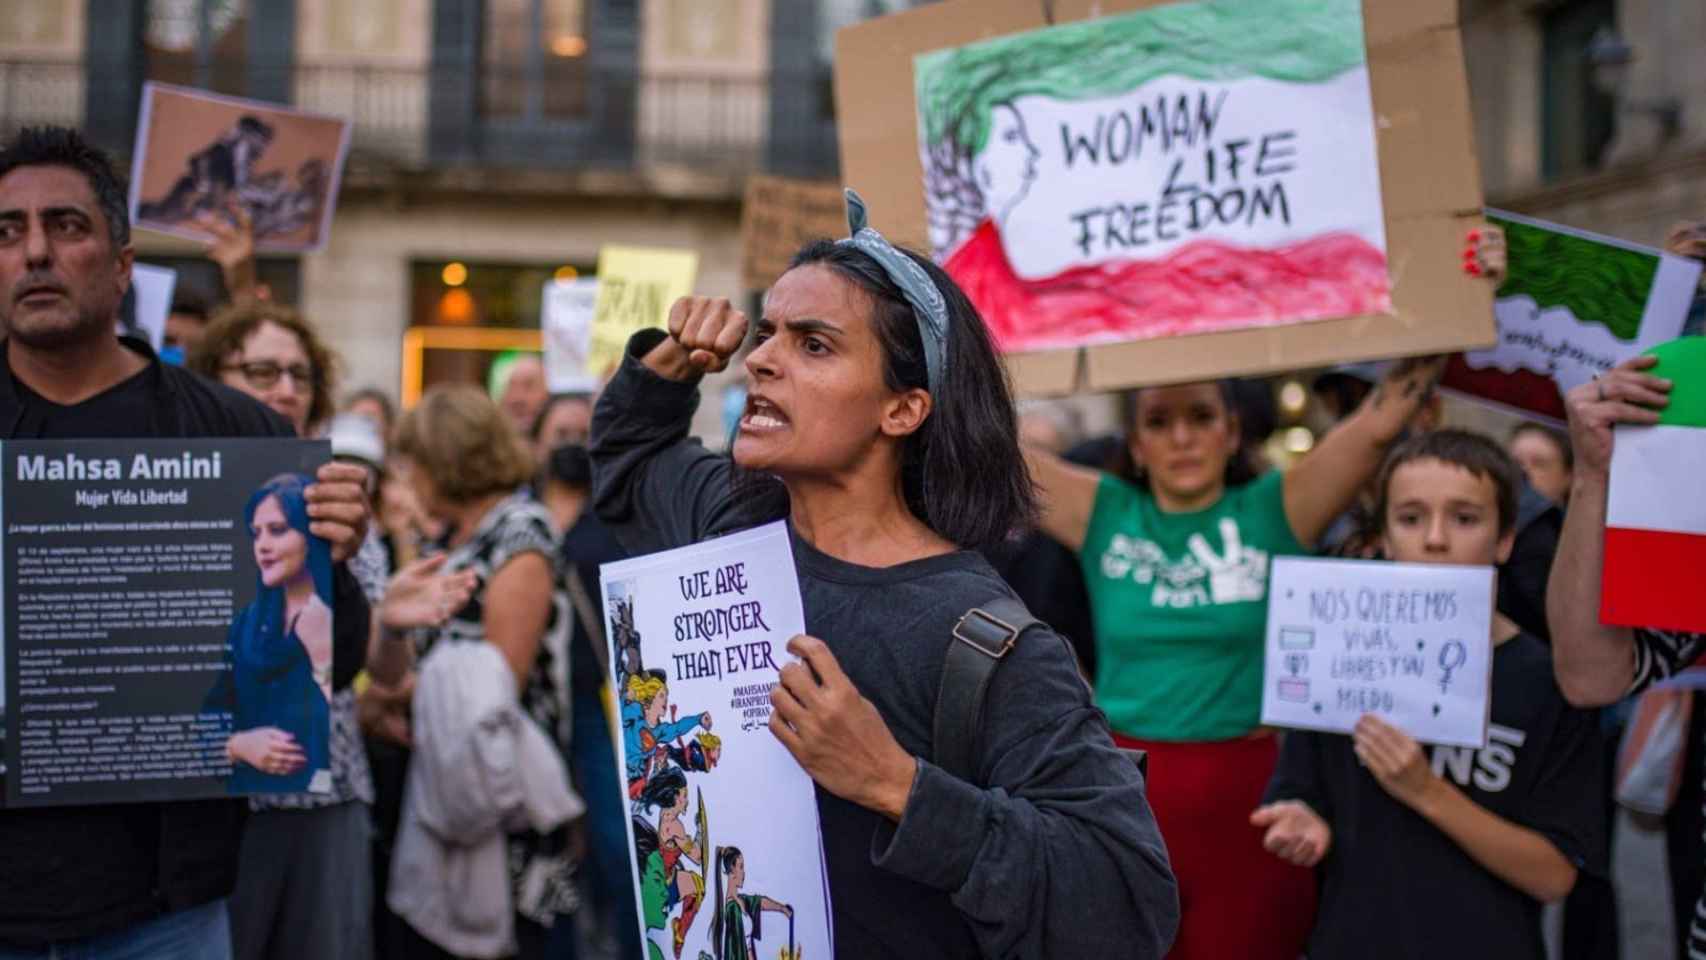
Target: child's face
column 1439, row 512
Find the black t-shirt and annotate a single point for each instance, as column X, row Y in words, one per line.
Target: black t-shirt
column 1395, row 886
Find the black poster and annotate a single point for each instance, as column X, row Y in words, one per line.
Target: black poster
column 167, row 620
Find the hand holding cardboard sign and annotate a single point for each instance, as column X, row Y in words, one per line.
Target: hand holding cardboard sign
column 837, row 735
column 233, row 246
column 1622, row 395
column 338, row 509
column 1396, row 760
column 1295, row 833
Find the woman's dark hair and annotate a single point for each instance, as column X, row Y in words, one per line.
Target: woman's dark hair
column 727, row 859
column 1473, row 452
column 1559, row 439
column 551, row 403
column 961, row 472
column 50, row 146
column 663, row 788
column 290, row 491
column 1121, row 464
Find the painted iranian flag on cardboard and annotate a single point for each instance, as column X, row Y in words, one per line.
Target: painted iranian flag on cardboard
column 1189, row 168
column 1655, row 532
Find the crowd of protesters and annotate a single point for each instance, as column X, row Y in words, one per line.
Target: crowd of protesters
column 467, row 531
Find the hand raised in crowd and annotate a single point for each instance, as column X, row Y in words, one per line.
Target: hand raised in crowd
column 338, row 511
column 1295, row 833
column 1398, row 762
column 419, row 596
column 267, row 749
column 704, row 332
column 1624, row 394
column 1484, row 253
column 836, row 734
column 1403, row 393
column 233, row 247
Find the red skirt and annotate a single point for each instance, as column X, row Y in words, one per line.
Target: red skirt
column 1236, row 900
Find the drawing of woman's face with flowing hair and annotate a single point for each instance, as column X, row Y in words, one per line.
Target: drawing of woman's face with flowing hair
column 1007, row 164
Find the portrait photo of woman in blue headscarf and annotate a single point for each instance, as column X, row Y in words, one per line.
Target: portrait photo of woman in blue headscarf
column 278, row 689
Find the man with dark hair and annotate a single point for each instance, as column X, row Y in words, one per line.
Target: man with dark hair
column 140, row 879
column 185, row 324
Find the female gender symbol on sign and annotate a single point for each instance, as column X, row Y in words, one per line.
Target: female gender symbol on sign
column 1451, row 656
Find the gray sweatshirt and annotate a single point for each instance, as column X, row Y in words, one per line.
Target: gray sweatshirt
column 1054, row 853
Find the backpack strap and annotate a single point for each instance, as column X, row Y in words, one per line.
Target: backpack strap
column 981, row 639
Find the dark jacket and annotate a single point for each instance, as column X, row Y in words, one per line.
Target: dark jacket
column 89, row 859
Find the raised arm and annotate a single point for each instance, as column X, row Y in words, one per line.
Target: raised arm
column 1066, row 495
column 652, row 484
column 1325, row 482
column 1595, row 664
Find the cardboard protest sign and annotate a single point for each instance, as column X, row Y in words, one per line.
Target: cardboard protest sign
column 1655, row 522
column 721, row 809
column 636, row 288
column 1572, row 306
column 152, row 287
column 1084, row 181
column 566, row 319
column 200, row 154
column 167, row 619
column 778, row 217
column 1206, row 185
column 1409, row 642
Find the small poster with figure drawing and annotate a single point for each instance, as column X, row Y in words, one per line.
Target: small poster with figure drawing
column 200, row 155
column 723, row 827
column 1191, row 168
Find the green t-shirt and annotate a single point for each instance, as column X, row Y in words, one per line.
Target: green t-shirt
column 1180, row 605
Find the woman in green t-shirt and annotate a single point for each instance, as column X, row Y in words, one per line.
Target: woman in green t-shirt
column 1176, row 562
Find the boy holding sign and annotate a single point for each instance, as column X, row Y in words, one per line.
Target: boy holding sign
column 1502, row 829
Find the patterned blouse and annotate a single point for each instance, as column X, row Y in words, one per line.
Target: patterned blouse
column 351, row 778
column 541, row 870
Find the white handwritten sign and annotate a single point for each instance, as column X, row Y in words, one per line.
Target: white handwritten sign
column 698, row 636
column 566, row 316
column 1408, row 642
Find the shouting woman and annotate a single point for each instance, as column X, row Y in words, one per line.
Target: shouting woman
column 879, row 425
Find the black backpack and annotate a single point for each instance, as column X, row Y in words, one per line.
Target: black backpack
column 982, row 638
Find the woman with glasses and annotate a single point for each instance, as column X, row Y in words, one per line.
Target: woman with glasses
column 304, row 885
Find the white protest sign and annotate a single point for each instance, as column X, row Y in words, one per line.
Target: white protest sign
column 153, row 299
column 698, row 635
column 1408, row 642
column 566, row 316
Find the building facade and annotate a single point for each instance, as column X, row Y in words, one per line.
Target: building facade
column 500, row 143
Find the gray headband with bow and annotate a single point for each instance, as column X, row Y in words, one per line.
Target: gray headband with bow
column 920, row 291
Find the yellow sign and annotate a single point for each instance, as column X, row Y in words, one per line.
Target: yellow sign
column 636, row 288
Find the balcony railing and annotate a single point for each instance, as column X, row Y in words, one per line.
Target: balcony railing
column 41, row 91
column 595, row 120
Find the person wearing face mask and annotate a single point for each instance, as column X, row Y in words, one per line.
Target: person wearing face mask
column 1175, row 556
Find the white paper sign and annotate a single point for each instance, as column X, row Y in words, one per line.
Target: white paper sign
column 697, row 637
column 566, row 316
column 1408, row 642
column 153, row 299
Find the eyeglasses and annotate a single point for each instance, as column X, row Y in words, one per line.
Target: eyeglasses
column 262, row 374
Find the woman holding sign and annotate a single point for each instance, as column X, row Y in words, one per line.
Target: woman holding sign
column 879, row 425
column 1176, row 561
